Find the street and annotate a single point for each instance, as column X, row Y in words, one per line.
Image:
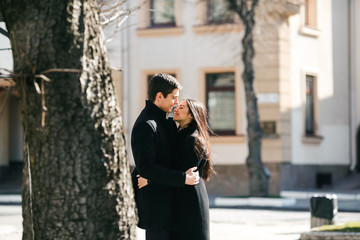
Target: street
column 226, row 224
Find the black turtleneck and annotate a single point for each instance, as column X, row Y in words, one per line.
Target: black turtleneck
column 185, row 132
column 154, row 110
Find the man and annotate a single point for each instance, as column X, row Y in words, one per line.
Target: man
column 153, row 145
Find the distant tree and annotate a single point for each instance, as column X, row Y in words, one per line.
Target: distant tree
column 77, row 181
column 258, row 173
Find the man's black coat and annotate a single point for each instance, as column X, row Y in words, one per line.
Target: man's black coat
column 153, row 140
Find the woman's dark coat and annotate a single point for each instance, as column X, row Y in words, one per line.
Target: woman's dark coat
column 153, row 140
column 191, row 202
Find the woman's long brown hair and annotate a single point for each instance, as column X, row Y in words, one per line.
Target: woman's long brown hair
column 202, row 141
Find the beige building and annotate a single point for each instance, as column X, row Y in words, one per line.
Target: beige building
column 307, row 82
column 11, row 134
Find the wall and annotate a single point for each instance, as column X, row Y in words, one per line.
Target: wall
column 5, row 62
column 5, row 55
column 288, row 51
column 16, row 133
column 324, row 54
column 187, row 53
column 4, row 129
column 354, row 9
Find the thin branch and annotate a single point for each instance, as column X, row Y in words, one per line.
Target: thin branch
column 43, row 107
column 114, row 14
column 104, row 4
column 71, row 70
column 42, row 77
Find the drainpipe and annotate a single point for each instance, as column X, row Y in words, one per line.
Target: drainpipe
column 352, row 110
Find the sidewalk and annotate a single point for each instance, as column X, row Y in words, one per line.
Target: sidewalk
column 225, row 223
column 291, row 200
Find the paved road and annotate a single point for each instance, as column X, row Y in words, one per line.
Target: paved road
column 226, row 224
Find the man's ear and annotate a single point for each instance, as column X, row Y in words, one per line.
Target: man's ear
column 158, row 96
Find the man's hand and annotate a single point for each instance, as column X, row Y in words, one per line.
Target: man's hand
column 142, row 182
column 192, row 176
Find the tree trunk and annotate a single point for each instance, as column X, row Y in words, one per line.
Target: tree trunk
column 26, row 199
column 79, row 185
column 258, row 174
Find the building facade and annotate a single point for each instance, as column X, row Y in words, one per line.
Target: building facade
column 306, row 80
column 11, row 133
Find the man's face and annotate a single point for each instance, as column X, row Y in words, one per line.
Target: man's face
column 166, row 104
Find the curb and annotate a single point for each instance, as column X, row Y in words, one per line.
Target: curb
column 10, row 199
column 255, row 202
column 329, row 236
column 308, row 195
column 299, row 202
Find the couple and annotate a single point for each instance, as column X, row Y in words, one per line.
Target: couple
column 173, row 163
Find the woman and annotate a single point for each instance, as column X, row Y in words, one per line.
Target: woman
column 191, row 211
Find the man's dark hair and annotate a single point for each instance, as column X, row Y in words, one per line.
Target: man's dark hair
column 164, row 83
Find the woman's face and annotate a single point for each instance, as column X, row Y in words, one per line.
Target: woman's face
column 182, row 114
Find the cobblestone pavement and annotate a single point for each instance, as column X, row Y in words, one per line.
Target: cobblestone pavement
column 226, row 223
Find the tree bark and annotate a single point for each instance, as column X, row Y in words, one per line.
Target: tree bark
column 80, row 177
column 26, row 199
column 258, row 173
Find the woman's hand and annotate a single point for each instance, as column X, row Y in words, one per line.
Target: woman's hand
column 142, row 182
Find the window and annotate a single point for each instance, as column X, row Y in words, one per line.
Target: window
column 220, row 101
column 146, row 75
column 160, row 18
column 218, row 12
column 149, row 75
column 309, row 106
column 214, row 17
column 162, row 13
column 311, row 130
column 310, row 13
column 309, row 23
column 153, row 74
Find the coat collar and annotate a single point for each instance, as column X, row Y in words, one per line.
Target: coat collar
column 183, row 133
column 150, row 106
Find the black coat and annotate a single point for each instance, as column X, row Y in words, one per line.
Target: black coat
column 191, row 202
column 153, row 140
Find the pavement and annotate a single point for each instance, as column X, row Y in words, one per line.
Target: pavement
column 231, row 218
column 225, row 223
column 290, row 200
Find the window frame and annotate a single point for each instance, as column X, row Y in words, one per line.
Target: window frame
column 145, row 80
column 214, row 22
column 160, row 25
column 310, row 132
column 310, row 13
column 147, row 29
column 202, row 25
column 238, row 136
column 309, row 22
column 315, row 137
column 209, row 89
